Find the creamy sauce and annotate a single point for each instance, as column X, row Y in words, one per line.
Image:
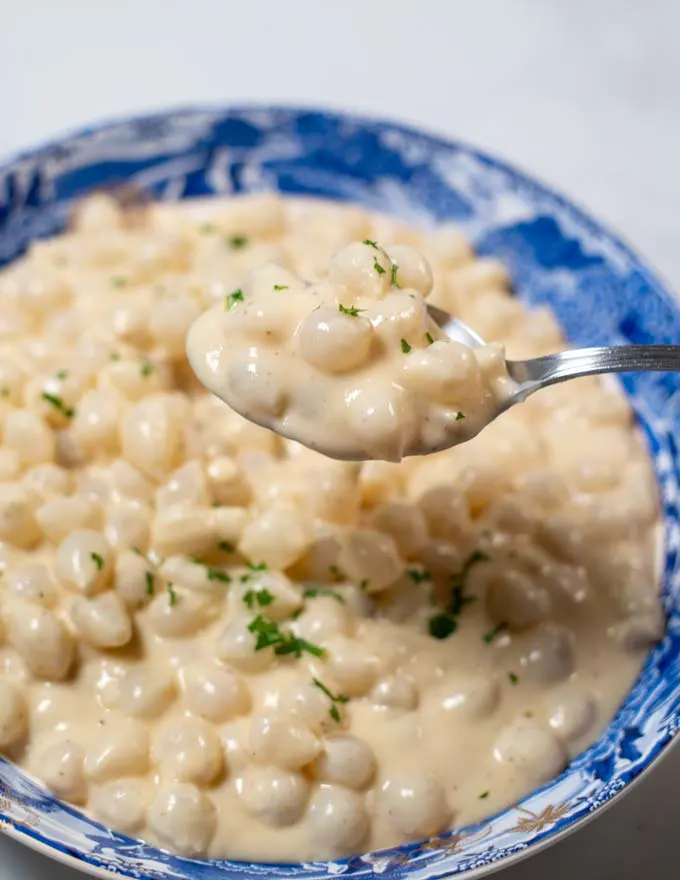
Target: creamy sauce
column 351, row 365
column 229, row 645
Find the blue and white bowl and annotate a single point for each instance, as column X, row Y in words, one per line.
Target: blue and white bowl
column 600, row 291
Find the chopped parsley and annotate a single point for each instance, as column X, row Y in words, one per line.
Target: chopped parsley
column 208, row 229
column 146, row 368
column 118, row 281
column 237, row 242
column 214, row 574
column 459, row 416
column 405, row 347
column 226, row 546
column 483, row 795
column 444, row 624
column 393, row 275
column 62, row 374
column 98, row 560
column 493, row 634
column 378, row 268
column 334, row 570
column 418, row 576
column 365, row 584
column 352, row 311
column 114, row 356
column 259, row 566
column 260, row 597
column 441, row 626
column 149, row 583
column 269, row 635
column 58, row 404
column 315, row 592
column 232, row 299
column 429, row 337
column 373, row 244
column 172, row 595
column 334, row 712
column 512, row 678
column 280, row 287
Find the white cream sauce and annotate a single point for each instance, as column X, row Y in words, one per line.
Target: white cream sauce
column 472, row 618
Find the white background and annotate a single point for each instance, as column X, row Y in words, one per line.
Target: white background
column 585, row 93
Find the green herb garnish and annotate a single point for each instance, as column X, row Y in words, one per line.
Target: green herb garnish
column 232, row 299
column 269, row 635
column 98, row 560
column 58, row 404
column 459, row 416
column 405, row 347
column 280, row 287
column 513, row 679
column 118, row 281
column 334, row 712
column 483, row 795
column 237, row 242
column 365, row 584
column 149, row 583
column 393, row 276
column 441, row 626
column 352, row 311
column 378, row 268
column 259, row 566
column 114, row 356
column 146, row 368
column 493, row 634
column 62, row 374
column 214, row 574
column 315, row 592
column 429, row 338
column 419, row 577
column 172, row 595
column 226, row 546
column 261, row 597
column 373, row 244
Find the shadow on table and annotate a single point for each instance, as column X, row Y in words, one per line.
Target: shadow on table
column 636, row 838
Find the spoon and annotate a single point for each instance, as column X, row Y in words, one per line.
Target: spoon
column 536, row 373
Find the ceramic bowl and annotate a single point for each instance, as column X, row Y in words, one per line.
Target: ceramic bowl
column 598, row 288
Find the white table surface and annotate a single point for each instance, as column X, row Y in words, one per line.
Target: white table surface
column 585, row 93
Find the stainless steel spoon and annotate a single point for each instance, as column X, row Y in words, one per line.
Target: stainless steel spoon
column 536, row 373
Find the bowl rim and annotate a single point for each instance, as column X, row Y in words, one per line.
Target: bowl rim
column 656, row 280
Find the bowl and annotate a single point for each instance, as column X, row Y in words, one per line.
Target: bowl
column 601, row 293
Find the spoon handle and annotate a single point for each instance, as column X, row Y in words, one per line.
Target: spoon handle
column 542, row 371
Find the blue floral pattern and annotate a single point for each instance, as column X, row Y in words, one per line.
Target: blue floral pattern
column 598, row 288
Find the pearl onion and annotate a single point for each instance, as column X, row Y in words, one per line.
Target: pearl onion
column 146, row 692
column 236, row 646
column 395, row 692
column 346, row 760
column 548, row 654
column 60, row 766
column 42, row 640
column 183, row 818
column 121, row 749
column 572, row 713
column 121, row 804
column 84, row 562
column 352, row 666
column 188, row 750
column 102, row 621
column 283, row 742
column 338, row 821
column 334, row 342
column 214, row 693
column 414, row 804
column 275, row 797
column 362, row 269
column 515, row 599
column 13, row 715
column 533, row 752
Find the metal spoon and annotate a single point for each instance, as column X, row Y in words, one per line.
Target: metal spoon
column 536, row 373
